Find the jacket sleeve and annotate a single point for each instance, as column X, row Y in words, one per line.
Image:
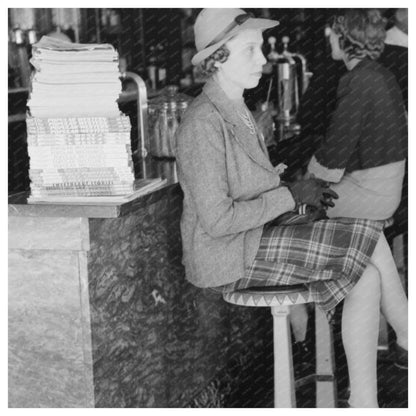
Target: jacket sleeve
column 330, row 160
column 201, row 158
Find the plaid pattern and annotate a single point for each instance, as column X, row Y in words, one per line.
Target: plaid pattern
column 330, row 256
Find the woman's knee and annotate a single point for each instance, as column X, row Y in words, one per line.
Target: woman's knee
column 371, row 280
column 382, row 247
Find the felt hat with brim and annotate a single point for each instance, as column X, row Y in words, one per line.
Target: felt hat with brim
column 214, row 27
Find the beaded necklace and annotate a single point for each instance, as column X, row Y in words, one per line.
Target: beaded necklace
column 247, row 121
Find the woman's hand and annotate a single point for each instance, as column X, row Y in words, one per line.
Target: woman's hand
column 313, row 192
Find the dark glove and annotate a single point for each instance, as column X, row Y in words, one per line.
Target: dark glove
column 313, row 192
column 328, row 193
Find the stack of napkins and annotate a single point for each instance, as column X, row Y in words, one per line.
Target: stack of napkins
column 74, row 79
column 78, row 141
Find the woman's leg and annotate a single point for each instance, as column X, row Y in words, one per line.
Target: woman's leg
column 302, row 352
column 393, row 296
column 360, row 325
column 299, row 321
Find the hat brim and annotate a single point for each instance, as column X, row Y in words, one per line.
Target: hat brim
column 251, row 23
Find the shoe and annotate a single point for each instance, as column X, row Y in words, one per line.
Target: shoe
column 343, row 404
column 400, row 357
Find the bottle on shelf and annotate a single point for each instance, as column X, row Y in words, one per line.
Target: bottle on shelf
column 114, row 18
column 161, row 65
column 21, row 58
column 152, row 71
column 182, row 107
column 163, row 133
column 172, row 117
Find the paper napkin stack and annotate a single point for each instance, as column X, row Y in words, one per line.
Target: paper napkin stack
column 78, row 141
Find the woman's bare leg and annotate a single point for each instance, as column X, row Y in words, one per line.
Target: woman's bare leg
column 360, row 325
column 393, row 297
column 299, row 321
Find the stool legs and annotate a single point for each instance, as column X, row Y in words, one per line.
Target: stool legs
column 325, row 380
column 284, row 381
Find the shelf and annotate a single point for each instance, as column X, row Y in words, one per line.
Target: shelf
column 15, row 118
column 18, row 90
column 112, row 30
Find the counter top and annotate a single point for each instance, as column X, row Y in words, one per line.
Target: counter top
column 18, row 205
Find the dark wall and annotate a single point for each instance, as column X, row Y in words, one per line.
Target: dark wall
column 138, row 30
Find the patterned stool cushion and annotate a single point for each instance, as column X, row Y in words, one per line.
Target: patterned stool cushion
column 269, row 296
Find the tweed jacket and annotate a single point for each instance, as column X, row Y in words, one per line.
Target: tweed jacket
column 230, row 187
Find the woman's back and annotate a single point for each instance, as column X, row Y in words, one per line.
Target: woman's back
column 369, row 123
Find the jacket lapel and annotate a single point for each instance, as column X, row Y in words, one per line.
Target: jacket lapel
column 251, row 144
column 240, row 131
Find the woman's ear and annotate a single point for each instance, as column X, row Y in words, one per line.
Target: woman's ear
column 217, row 64
column 341, row 42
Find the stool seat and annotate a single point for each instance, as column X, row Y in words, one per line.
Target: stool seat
column 269, row 296
column 388, row 222
column 280, row 299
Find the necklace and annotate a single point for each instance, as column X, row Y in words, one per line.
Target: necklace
column 247, row 121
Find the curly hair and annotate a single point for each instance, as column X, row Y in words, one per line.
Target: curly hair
column 208, row 64
column 362, row 33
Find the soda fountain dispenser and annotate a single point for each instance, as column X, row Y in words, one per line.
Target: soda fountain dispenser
column 292, row 79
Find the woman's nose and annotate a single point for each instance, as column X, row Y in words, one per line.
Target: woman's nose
column 261, row 58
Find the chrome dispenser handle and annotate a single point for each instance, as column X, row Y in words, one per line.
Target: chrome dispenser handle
column 306, row 75
column 141, row 107
column 142, row 125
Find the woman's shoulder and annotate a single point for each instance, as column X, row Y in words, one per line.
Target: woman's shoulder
column 200, row 117
column 368, row 72
column 201, row 108
column 366, row 76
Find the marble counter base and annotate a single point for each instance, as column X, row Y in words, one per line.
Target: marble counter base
column 102, row 316
column 157, row 340
column 31, row 233
column 48, row 352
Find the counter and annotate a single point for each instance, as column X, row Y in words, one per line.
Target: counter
column 100, row 313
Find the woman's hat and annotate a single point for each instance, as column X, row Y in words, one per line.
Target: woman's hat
column 213, row 27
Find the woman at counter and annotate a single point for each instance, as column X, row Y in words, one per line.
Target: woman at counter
column 232, row 193
column 364, row 151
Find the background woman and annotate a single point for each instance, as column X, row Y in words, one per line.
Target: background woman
column 232, row 192
column 365, row 148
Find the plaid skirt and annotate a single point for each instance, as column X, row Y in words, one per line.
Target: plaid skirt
column 329, row 256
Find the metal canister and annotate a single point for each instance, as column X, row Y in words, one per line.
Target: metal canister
column 287, row 89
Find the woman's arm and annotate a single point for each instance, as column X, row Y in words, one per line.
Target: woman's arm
column 202, row 171
column 330, row 160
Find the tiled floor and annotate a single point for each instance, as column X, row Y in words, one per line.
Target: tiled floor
column 392, row 389
column 392, row 382
column 392, row 386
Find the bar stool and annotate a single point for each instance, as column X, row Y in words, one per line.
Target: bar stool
column 279, row 299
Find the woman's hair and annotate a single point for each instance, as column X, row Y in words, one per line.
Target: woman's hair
column 208, row 64
column 362, row 33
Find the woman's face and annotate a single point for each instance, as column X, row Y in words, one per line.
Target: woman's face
column 337, row 52
column 243, row 67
